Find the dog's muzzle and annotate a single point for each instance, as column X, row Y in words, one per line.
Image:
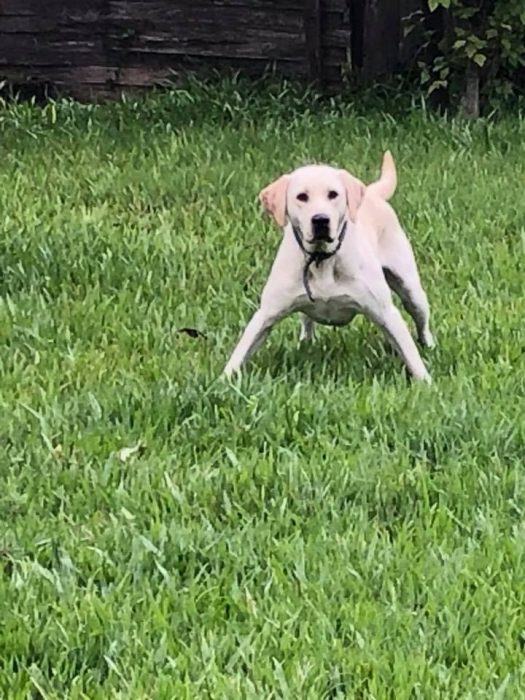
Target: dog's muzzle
column 316, row 256
column 321, row 228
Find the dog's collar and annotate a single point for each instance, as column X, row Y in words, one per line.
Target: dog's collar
column 316, row 256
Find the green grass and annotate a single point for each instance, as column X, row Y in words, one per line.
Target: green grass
column 322, row 529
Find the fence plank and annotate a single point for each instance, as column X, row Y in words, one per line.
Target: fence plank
column 312, row 32
column 381, row 35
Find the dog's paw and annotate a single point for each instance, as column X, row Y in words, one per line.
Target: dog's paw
column 306, row 336
column 427, row 340
column 423, row 378
column 230, row 372
column 307, row 331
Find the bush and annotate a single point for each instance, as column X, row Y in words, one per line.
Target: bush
column 472, row 52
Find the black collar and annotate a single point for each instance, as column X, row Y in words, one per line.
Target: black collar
column 316, row 256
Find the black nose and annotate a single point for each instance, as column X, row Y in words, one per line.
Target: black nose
column 321, row 225
column 320, row 220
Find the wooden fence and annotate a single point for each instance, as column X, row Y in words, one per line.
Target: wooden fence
column 93, row 49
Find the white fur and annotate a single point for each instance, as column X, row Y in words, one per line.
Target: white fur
column 350, row 282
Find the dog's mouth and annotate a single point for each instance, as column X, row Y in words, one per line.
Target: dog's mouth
column 319, row 239
column 320, row 232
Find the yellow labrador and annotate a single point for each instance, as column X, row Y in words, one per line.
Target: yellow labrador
column 343, row 249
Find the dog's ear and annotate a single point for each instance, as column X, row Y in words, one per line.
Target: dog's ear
column 273, row 199
column 355, row 191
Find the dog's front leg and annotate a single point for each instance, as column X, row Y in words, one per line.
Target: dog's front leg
column 254, row 335
column 393, row 325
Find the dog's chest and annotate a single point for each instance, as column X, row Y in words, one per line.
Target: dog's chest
column 337, row 311
column 332, row 304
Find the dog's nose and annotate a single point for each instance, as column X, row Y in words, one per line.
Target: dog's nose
column 320, row 226
column 320, row 221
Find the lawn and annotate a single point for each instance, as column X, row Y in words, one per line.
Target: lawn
column 321, row 528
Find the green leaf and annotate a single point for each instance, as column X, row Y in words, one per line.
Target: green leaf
column 434, row 4
column 480, row 59
column 436, row 85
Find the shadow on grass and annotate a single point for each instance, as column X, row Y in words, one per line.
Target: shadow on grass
column 335, row 355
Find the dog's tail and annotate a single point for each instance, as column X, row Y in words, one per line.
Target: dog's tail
column 386, row 185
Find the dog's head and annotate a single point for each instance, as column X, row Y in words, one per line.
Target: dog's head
column 316, row 199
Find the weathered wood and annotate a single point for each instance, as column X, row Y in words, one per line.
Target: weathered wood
column 144, row 8
column 173, row 20
column 93, row 83
column 381, row 35
column 336, row 41
column 90, row 46
column 246, row 35
column 28, row 50
column 334, row 6
column 312, row 31
column 38, row 8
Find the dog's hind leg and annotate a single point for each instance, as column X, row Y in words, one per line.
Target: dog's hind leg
column 307, row 332
column 406, row 284
column 402, row 276
column 389, row 319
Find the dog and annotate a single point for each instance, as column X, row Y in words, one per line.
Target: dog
column 342, row 252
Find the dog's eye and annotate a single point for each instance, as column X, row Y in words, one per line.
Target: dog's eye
column 303, row 197
column 332, row 194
